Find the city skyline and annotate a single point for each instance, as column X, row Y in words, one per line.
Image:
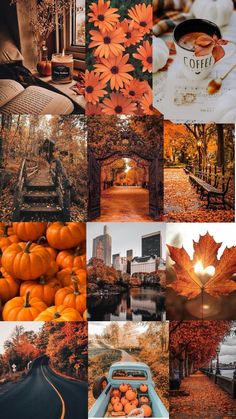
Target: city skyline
column 122, row 242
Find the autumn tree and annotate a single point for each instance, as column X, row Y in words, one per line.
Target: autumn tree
column 67, row 349
column 193, row 344
column 111, row 334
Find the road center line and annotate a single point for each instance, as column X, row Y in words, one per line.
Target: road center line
column 58, row 393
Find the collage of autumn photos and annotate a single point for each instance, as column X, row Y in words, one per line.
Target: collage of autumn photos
column 117, row 209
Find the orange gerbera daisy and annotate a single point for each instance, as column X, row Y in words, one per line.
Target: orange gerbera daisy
column 142, row 16
column 135, row 89
column 94, row 88
column 145, row 55
column 115, row 70
column 103, row 16
column 108, row 43
column 93, row 109
column 117, row 104
column 133, row 35
column 146, row 103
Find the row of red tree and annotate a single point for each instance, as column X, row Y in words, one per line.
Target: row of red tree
column 65, row 344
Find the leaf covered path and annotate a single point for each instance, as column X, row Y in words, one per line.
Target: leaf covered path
column 206, row 400
column 122, row 203
column 182, row 203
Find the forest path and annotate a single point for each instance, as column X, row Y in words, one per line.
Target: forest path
column 122, row 203
column 41, row 198
column 43, row 176
column 205, row 400
column 182, row 203
column 125, row 357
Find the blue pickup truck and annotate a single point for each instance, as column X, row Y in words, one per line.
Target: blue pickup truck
column 134, row 374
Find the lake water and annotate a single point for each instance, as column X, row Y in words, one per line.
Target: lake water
column 227, row 373
column 136, row 304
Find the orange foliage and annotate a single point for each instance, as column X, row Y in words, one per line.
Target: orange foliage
column 190, row 284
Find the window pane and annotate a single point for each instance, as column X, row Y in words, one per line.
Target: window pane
column 78, row 23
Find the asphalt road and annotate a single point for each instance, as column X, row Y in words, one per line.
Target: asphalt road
column 45, row 395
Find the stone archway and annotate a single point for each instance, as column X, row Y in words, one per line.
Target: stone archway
column 126, row 144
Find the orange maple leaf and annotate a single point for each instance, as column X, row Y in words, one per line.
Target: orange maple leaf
column 190, row 284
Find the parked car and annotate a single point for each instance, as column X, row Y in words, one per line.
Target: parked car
column 135, row 374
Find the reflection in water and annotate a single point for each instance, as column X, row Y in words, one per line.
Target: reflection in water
column 136, row 304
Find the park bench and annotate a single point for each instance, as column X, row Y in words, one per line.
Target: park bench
column 215, row 196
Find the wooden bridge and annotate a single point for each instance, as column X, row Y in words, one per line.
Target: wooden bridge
column 42, row 192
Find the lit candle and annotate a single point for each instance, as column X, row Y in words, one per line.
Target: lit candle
column 62, row 68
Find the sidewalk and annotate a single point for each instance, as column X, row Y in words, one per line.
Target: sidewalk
column 182, row 203
column 205, row 401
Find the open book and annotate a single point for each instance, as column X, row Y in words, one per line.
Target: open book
column 32, row 100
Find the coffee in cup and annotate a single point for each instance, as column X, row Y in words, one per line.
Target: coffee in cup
column 185, row 36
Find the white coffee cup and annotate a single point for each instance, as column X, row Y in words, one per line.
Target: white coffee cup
column 195, row 68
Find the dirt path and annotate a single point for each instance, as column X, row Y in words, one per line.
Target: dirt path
column 206, row 400
column 182, row 203
column 43, row 176
column 121, row 203
column 125, row 357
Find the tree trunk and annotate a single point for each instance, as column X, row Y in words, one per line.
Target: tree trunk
column 220, row 148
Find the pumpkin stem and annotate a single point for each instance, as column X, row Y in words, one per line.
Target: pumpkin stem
column 78, row 251
column 42, row 280
column 1, row 275
column 5, row 231
column 27, row 247
column 56, row 315
column 27, row 304
column 42, row 239
column 75, row 285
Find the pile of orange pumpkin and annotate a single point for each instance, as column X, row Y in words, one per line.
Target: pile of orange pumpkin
column 125, row 399
column 43, row 271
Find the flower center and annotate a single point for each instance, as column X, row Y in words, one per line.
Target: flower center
column 118, row 109
column 149, row 60
column 101, row 18
column 128, row 35
column 107, row 40
column 132, row 93
column 143, row 23
column 114, row 69
column 89, row 89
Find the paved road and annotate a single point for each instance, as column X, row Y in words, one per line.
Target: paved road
column 45, row 395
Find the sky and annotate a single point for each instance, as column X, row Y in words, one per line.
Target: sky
column 6, row 329
column 97, row 328
column 184, row 233
column 125, row 236
column 228, row 349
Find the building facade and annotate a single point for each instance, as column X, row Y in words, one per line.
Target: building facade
column 151, row 244
column 144, row 264
column 102, row 247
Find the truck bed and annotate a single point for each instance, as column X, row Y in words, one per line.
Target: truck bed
column 99, row 410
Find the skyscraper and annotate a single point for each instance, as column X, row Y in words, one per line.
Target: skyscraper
column 151, row 244
column 102, row 247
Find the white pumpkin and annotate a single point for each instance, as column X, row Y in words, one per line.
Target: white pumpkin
column 226, row 108
column 217, row 11
column 160, row 54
